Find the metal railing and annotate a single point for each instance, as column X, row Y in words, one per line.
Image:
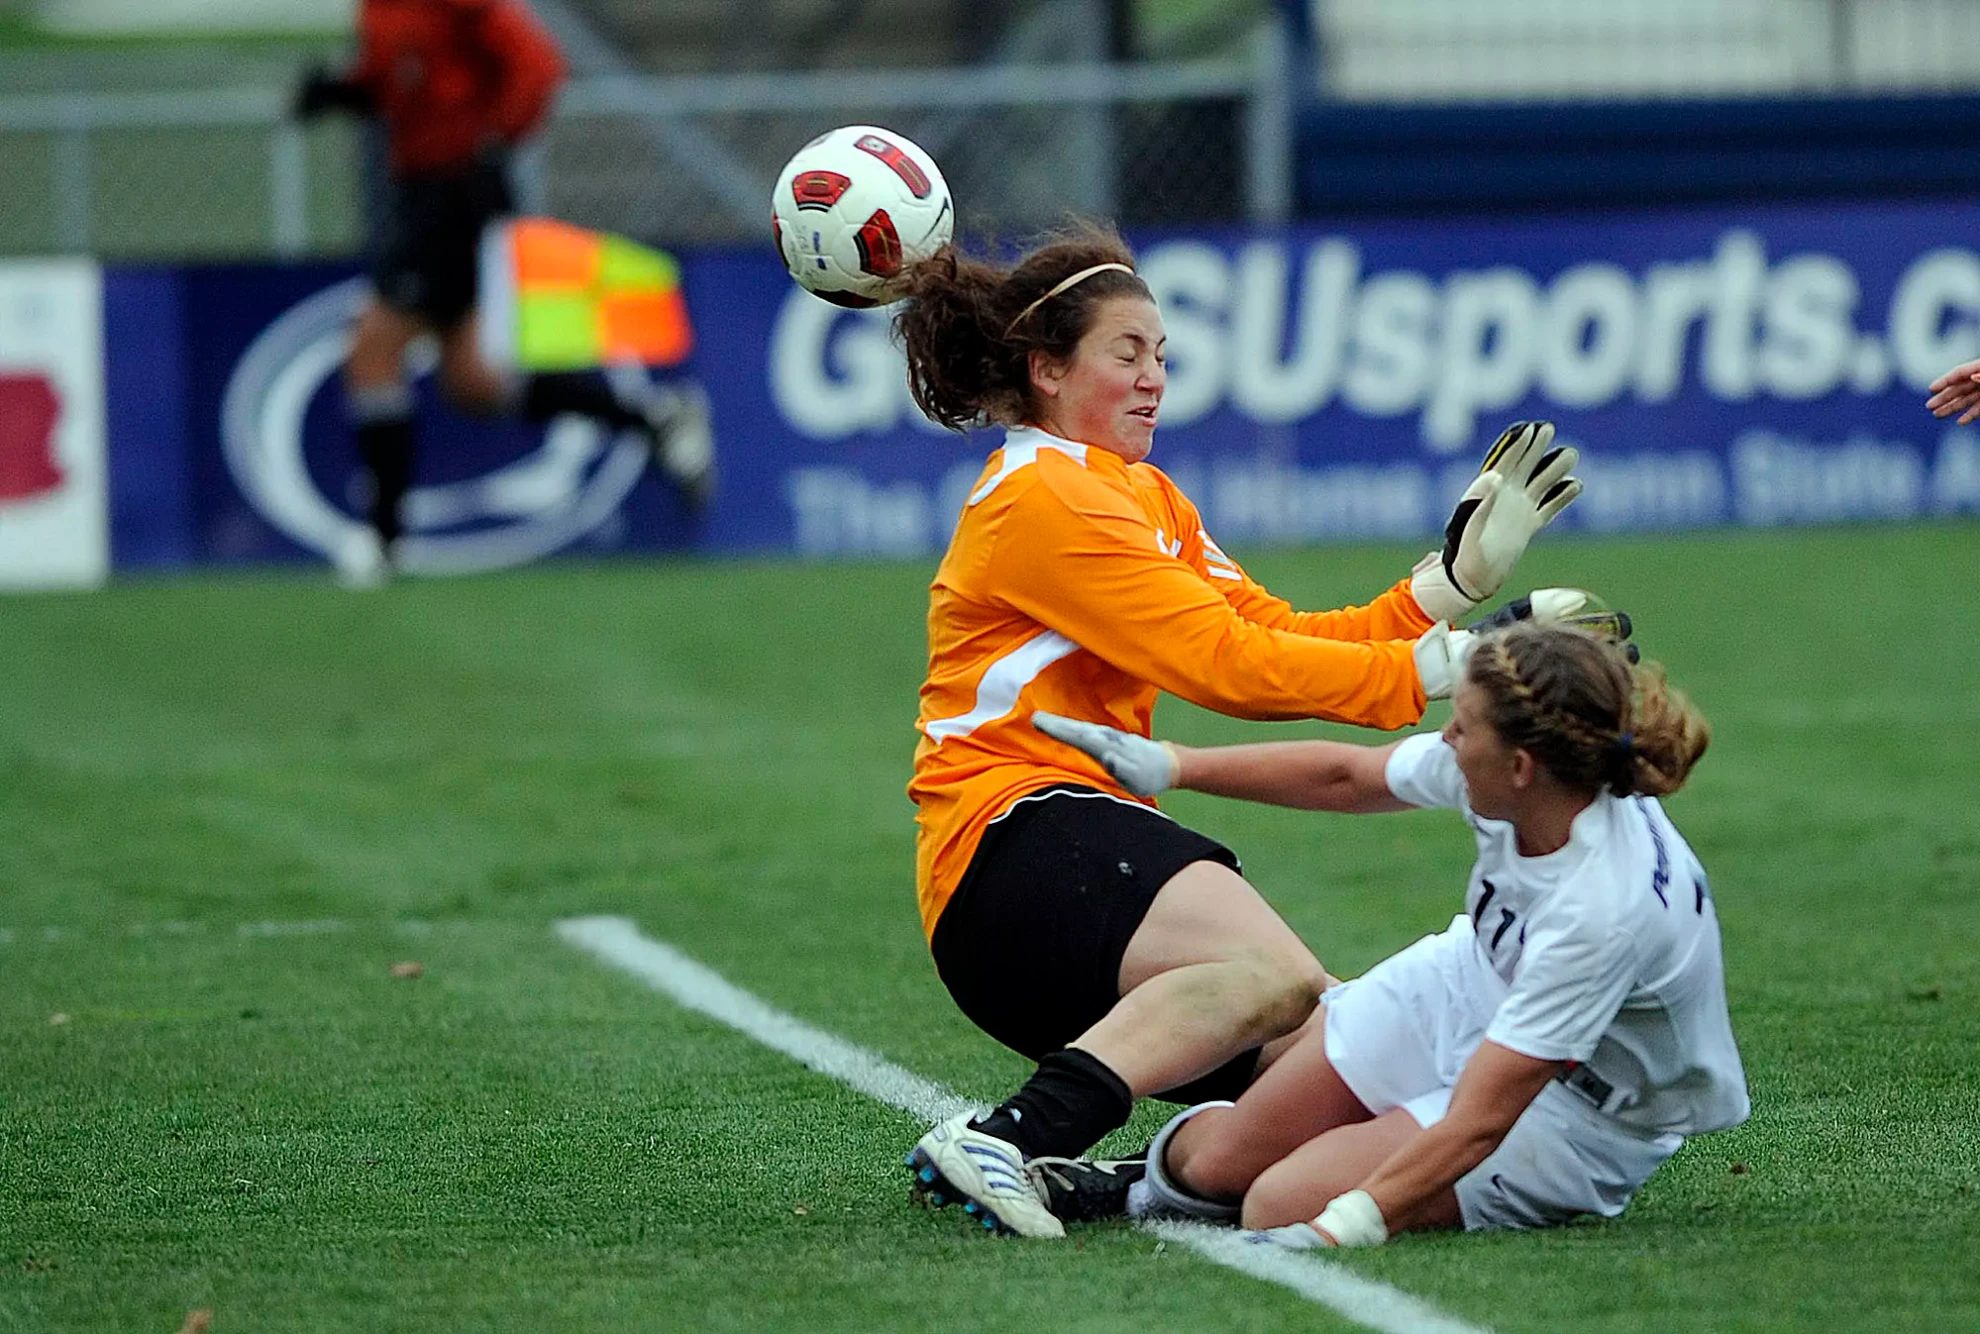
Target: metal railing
column 224, row 172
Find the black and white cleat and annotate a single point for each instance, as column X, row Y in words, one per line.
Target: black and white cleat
column 1085, row 1190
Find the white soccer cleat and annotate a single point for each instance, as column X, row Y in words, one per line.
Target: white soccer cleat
column 954, row 1163
column 362, row 562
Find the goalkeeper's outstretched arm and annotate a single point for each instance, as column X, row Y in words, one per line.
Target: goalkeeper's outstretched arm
column 1308, row 775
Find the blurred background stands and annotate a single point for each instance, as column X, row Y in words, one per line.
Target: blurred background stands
column 156, row 131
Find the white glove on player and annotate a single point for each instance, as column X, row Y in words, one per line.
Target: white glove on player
column 1143, row 767
column 1520, row 487
column 1442, row 651
column 1441, row 654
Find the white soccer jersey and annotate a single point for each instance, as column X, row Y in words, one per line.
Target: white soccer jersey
column 1604, row 953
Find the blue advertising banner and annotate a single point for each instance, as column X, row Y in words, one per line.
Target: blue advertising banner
column 226, row 407
column 1751, row 366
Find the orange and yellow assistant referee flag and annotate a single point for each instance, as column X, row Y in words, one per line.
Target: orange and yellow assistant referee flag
column 555, row 297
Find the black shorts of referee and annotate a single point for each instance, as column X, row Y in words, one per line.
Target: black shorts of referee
column 1031, row 944
column 426, row 259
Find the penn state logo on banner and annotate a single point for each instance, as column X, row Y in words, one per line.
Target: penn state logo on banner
column 569, row 486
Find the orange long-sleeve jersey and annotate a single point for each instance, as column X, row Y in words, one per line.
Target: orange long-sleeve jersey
column 451, row 75
column 1080, row 584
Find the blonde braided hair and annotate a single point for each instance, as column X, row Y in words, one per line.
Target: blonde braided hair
column 1590, row 718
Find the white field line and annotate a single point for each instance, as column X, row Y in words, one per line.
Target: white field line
column 699, row 988
column 1366, row 1301
column 618, row 941
column 320, row 926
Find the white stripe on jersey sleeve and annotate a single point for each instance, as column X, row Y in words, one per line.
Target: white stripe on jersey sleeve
column 1214, row 559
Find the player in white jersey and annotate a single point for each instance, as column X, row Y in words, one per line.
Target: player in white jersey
column 1540, row 1058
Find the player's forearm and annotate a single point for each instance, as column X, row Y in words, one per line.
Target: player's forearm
column 1494, row 1089
column 1393, row 615
column 1428, row 1165
column 1307, row 775
column 1153, row 618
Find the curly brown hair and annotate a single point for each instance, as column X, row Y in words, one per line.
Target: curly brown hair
column 968, row 350
column 1591, row 719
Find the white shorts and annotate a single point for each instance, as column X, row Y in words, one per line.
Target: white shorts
column 1399, row 1035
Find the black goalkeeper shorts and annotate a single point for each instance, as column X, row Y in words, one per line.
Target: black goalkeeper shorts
column 1031, row 944
column 427, row 260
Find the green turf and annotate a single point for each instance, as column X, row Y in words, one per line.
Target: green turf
column 273, row 1126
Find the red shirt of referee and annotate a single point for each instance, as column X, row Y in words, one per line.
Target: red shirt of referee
column 457, row 86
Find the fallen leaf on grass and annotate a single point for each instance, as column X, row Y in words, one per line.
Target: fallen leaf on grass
column 57, row 1019
column 197, row 1321
column 408, row 968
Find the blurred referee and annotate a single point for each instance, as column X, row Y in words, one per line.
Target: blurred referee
column 457, row 85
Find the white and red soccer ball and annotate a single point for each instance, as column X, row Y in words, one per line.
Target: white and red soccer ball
column 854, row 208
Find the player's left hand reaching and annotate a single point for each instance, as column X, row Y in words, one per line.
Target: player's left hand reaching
column 1958, row 390
column 1145, row 768
column 1522, row 485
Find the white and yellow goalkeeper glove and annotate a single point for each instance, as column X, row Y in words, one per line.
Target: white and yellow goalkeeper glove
column 1443, row 650
column 1520, row 487
column 1145, row 768
column 1576, row 607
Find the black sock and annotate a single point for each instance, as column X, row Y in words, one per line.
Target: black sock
column 583, row 392
column 1067, row 1106
column 385, row 445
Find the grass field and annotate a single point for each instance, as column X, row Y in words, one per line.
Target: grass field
column 230, row 805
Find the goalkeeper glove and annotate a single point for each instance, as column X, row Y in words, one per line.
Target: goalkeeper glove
column 1143, row 767
column 1441, row 654
column 321, row 91
column 1574, row 607
column 1520, row 487
column 1442, row 651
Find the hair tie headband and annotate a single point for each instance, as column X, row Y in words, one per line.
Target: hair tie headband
column 1625, row 743
column 1064, row 285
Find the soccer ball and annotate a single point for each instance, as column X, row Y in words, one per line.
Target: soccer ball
column 853, row 208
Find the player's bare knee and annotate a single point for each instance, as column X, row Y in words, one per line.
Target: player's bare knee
column 1289, row 990
column 1221, row 1169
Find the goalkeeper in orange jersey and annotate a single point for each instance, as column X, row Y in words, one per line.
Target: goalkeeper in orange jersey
column 458, row 85
column 1071, row 921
